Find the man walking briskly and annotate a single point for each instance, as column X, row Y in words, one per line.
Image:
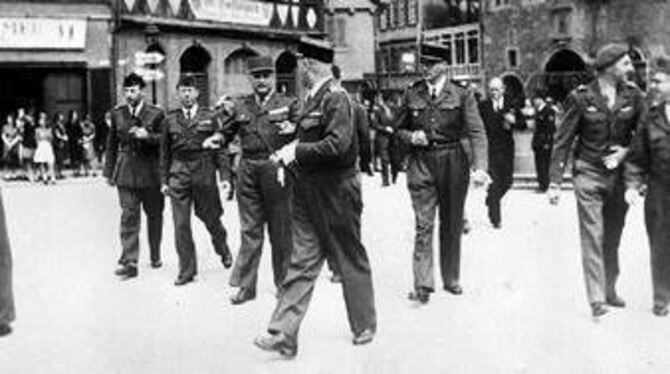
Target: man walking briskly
column 327, row 209
column 500, row 115
column 543, row 140
column 131, row 164
column 189, row 162
column 649, row 163
column 434, row 117
column 265, row 122
column 602, row 116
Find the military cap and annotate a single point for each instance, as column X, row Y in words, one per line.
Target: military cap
column 316, row 49
column 609, row 54
column 260, row 63
column 133, row 79
column 187, row 80
column 433, row 53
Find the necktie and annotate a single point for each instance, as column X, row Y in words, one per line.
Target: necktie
column 188, row 114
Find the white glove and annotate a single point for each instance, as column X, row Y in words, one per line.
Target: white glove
column 285, row 155
column 286, row 127
column 632, row 197
column 213, row 142
column 419, row 138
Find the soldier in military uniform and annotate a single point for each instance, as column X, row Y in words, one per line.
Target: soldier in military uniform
column 649, row 163
column 189, row 162
column 435, row 116
column 602, row 116
column 543, row 140
column 265, row 122
column 326, row 209
column 131, row 164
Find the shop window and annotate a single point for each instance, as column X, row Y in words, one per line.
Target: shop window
column 402, row 13
column 383, row 19
column 412, row 11
column 460, row 48
column 473, row 47
column 394, row 14
column 448, row 45
column 512, row 58
column 562, row 21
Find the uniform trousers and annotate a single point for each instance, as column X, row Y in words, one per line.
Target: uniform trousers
column 132, row 200
column 262, row 199
column 657, row 219
column 326, row 223
column 7, row 312
column 438, row 178
column 501, row 169
column 602, row 213
column 542, row 161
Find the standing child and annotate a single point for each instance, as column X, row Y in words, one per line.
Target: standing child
column 44, row 155
column 87, row 144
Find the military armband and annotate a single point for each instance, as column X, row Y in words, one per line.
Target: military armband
column 279, row 114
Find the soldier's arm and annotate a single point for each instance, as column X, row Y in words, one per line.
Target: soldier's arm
column 229, row 126
column 565, row 136
column 363, row 132
column 339, row 132
column 165, row 160
column 154, row 129
column 112, row 148
column 476, row 132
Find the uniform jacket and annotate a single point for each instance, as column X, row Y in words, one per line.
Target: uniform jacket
column 132, row 162
column 498, row 133
column 650, row 153
column 257, row 123
column 327, row 139
column 183, row 160
column 545, row 127
column 451, row 117
column 597, row 127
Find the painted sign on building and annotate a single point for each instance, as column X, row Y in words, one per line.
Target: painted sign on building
column 233, row 11
column 42, row 33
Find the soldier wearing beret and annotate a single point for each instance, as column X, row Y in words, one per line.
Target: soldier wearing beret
column 131, row 165
column 602, row 116
column 435, row 116
column 265, row 122
column 649, row 163
column 188, row 166
column 326, row 207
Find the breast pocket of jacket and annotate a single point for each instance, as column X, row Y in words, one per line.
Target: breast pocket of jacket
column 451, row 111
column 205, row 127
column 312, row 126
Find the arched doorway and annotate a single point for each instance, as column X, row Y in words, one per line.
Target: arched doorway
column 514, row 89
column 235, row 72
column 564, row 71
column 195, row 62
column 286, row 66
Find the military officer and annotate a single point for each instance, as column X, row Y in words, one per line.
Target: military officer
column 131, row 164
column 434, row 117
column 602, row 116
column 543, row 140
column 326, row 208
column 189, row 163
column 265, row 121
column 650, row 162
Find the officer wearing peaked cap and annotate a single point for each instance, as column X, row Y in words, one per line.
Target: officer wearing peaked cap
column 602, row 116
column 188, row 175
column 435, row 116
column 131, row 164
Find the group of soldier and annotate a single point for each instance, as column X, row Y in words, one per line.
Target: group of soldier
column 299, row 175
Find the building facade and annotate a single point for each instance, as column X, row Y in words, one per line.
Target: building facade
column 210, row 40
column 55, row 56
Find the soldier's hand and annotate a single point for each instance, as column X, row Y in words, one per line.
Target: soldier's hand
column 419, row 138
column 614, row 159
column 141, row 133
column 632, row 197
column 389, row 129
column 553, row 194
column 285, row 155
column 165, row 190
column 286, row 127
column 213, row 142
column 480, row 178
column 226, row 102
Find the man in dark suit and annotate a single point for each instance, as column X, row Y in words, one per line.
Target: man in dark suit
column 500, row 115
column 7, row 313
column 188, row 166
column 543, row 140
column 131, row 164
column 438, row 121
column 327, row 209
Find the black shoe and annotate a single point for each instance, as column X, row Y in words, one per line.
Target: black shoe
column 156, row 264
column 598, row 309
column 364, row 337
column 336, row 278
column 242, row 296
column 466, row 227
column 615, row 301
column 660, row 310
column 5, row 329
column 454, row 289
column 421, row 295
column 496, row 225
column 126, row 271
column 279, row 343
column 182, row 281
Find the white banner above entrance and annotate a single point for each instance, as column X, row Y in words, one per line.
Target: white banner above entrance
column 233, row 11
column 42, row 33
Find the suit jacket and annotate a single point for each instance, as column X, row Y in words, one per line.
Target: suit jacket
column 132, row 162
column 498, row 131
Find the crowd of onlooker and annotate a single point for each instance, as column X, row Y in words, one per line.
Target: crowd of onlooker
column 38, row 148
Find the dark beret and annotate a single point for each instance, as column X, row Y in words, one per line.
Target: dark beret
column 609, row 54
column 316, row 49
column 133, row 79
column 260, row 63
column 187, row 80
